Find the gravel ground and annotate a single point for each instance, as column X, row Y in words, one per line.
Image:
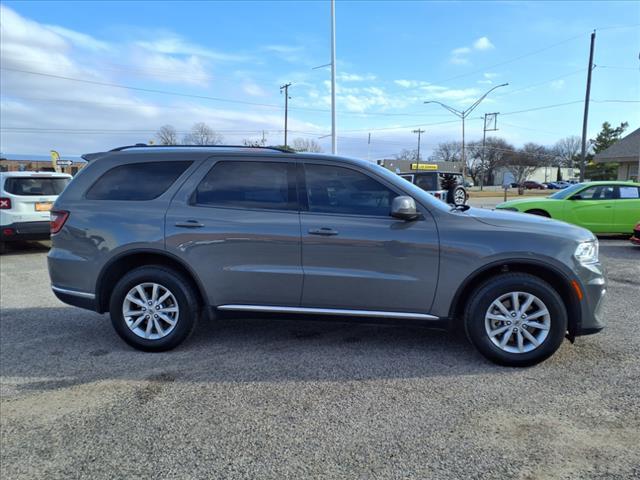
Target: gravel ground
column 285, row 399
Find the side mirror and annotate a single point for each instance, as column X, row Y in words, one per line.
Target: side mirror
column 404, row 208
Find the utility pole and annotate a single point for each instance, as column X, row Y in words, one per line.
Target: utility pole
column 368, row 147
column 463, row 114
column 493, row 119
column 285, row 87
column 334, row 139
column 585, row 118
column 419, row 132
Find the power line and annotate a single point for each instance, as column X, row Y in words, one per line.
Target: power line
column 207, row 97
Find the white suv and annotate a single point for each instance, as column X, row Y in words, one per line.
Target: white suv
column 25, row 201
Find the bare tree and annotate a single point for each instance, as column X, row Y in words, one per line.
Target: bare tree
column 247, row 142
column 167, row 135
column 567, row 150
column 202, row 134
column 306, row 145
column 495, row 155
column 407, row 155
column 447, row 152
column 526, row 161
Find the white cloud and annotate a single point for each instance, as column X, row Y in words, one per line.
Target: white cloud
column 352, row 77
column 175, row 45
column 461, row 51
column 109, row 116
column 253, row 89
column 81, row 40
column 485, row 82
column 483, row 43
column 557, row 84
column 490, row 75
column 460, row 55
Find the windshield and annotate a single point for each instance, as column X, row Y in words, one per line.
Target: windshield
column 35, row 185
column 567, row 192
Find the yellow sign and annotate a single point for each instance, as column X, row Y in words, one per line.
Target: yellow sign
column 55, row 157
column 424, row 166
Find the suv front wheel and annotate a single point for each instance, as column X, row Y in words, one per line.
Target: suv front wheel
column 516, row 319
column 153, row 308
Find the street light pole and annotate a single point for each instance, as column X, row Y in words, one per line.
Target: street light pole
column 463, row 114
column 334, row 140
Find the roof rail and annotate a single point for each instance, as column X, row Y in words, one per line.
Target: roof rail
column 144, row 145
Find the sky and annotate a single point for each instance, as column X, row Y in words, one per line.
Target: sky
column 88, row 76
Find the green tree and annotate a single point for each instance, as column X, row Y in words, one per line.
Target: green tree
column 607, row 137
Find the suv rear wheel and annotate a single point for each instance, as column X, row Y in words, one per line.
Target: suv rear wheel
column 516, row 320
column 153, row 308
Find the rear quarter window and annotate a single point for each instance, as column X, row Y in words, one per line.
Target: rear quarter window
column 137, row 181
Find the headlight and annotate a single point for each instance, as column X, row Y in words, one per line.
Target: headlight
column 587, row 252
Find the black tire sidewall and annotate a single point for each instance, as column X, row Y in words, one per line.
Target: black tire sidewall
column 494, row 288
column 183, row 293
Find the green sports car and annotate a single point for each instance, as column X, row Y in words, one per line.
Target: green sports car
column 602, row 207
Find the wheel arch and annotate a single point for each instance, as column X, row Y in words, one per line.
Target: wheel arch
column 552, row 275
column 538, row 211
column 131, row 259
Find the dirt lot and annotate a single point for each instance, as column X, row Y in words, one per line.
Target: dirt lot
column 285, row 399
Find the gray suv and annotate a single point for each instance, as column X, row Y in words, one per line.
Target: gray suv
column 162, row 236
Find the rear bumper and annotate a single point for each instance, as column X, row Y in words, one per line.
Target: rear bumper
column 75, row 298
column 25, row 231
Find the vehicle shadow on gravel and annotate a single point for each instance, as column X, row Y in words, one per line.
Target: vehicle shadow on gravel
column 49, row 348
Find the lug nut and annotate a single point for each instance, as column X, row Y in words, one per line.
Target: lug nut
column 146, row 317
column 150, row 302
column 157, row 307
column 155, row 316
column 144, row 309
column 508, row 323
column 513, row 314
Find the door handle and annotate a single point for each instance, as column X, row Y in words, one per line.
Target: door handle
column 189, row 224
column 324, row 231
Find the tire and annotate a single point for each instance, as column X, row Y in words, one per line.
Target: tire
column 457, row 196
column 540, row 213
column 515, row 354
column 3, row 248
column 156, row 334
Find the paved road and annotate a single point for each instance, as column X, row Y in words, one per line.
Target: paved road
column 283, row 399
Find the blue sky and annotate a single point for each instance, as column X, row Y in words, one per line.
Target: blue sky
column 391, row 56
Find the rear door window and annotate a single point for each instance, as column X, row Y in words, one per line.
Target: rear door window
column 137, row 181
column 35, row 186
column 254, row 185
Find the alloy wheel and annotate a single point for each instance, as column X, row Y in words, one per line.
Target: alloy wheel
column 150, row 311
column 517, row 322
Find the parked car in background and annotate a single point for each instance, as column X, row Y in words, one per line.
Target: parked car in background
column 159, row 236
column 532, row 185
column 635, row 238
column 602, row 207
column 25, row 201
column 446, row 186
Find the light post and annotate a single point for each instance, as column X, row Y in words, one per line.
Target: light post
column 463, row 114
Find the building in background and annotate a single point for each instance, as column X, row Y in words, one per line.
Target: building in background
column 38, row 163
column 626, row 153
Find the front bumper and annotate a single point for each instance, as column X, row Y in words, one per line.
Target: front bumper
column 594, row 286
column 25, row 231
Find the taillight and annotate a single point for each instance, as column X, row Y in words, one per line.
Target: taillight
column 58, row 217
column 5, row 203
